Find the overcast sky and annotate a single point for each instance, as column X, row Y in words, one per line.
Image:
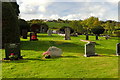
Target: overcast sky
column 68, row 9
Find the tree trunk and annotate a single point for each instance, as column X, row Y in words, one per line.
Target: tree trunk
column 87, row 37
column 97, row 37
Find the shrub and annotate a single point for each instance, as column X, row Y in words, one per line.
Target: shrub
column 98, row 30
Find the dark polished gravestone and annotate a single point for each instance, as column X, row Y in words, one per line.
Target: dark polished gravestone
column 90, row 49
column 12, row 48
column 118, row 49
column 24, row 33
column 33, row 36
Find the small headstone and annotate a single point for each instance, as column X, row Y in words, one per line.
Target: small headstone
column 67, row 34
column 74, row 34
column 90, row 49
column 12, row 48
column 118, row 49
column 54, row 51
column 49, row 32
column 33, row 37
column 54, row 32
column 24, row 33
column 107, row 37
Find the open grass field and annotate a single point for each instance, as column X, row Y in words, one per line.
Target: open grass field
column 72, row 65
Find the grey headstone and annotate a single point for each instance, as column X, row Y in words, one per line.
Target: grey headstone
column 67, row 34
column 49, row 32
column 118, row 49
column 90, row 49
column 54, row 51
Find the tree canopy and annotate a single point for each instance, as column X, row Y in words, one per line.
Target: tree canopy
column 10, row 28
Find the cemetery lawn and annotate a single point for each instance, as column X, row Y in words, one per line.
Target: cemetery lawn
column 73, row 64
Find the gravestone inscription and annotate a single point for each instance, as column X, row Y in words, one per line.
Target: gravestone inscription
column 12, row 48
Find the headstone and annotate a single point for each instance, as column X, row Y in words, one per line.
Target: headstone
column 54, row 51
column 54, row 32
column 12, row 48
column 90, row 49
column 24, row 33
column 49, row 32
column 33, row 37
column 118, row 49
column 67, row 34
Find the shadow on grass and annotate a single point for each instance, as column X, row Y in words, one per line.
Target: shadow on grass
column 65, row 46
column 14, row 61
column 38, row 59
column 25, row 60
column 44, row 45
column 69, row 57
column 105, row 51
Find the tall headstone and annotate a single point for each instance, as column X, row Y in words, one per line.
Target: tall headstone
column 118, row 49
column 90, row 49
column 49, row 32
column 24, row 33
column 67, row 34
column 12, row 48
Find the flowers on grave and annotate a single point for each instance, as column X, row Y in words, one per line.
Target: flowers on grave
column 46, row 53
column 34, row 37
column 12, row 56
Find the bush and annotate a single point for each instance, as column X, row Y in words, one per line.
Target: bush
column 98, row 30
column 23, row 25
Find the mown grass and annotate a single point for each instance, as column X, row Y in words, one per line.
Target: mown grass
column 72, row 65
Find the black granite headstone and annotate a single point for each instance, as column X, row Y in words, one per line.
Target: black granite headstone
column 12, row 48
column 33, row 36
column 24, row 33
column 118, row 49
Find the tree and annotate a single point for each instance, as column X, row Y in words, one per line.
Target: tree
column 16, row 8
column 23, row 25
column 90, row 23
column 43, row 27
column 109, row 26
column 10, row 28
column 77, row 26
column 98, row 30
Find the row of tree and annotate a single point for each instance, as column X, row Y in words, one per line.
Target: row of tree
column 85, row 26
